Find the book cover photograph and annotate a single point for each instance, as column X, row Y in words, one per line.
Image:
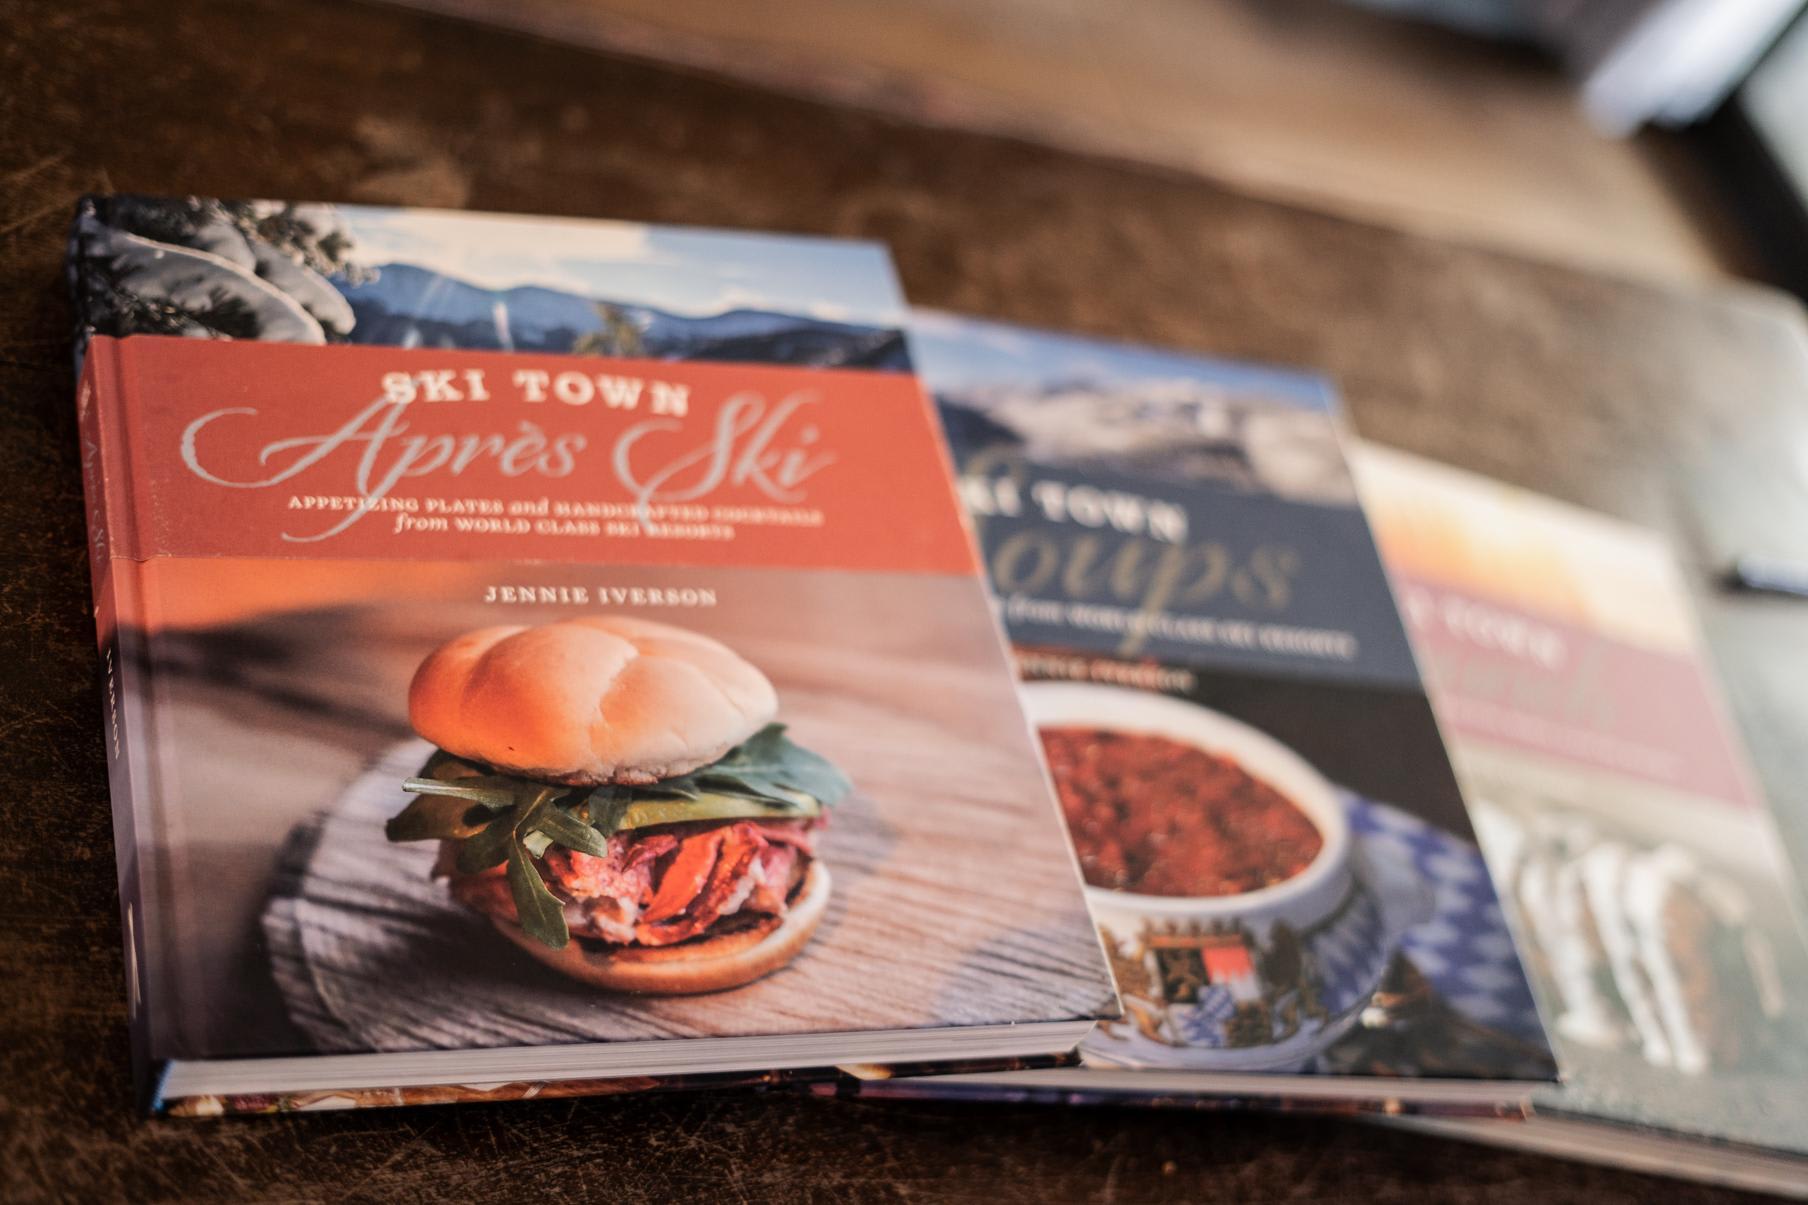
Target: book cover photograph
column 310, row 273
column 546, row 653
column 1634, row 850
column 1276, row 853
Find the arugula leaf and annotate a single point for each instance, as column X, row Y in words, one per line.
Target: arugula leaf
column 567, row 830
column 767, row 765
column 488, row 848
column 605, row 806
column 442, row 817
column 540, row 912
column 496, row 798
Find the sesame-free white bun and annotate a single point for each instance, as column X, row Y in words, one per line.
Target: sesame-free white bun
column 705, row 964
column 588, row 701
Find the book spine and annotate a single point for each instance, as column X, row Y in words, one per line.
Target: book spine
column 823, row 1081
column 116, row 583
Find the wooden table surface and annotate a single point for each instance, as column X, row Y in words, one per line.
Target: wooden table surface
column 1685, row 411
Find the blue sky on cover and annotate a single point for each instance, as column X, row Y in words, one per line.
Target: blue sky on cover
column 954, row 352
column 681, row 269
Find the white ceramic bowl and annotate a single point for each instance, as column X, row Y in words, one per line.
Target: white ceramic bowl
column 1280, row 1021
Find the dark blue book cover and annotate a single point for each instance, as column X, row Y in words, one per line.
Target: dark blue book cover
column 1276, row 850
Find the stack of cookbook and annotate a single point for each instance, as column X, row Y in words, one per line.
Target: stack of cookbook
column 553, row 657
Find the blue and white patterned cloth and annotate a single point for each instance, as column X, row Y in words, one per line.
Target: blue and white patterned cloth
column 1465, row 948
column 1352, row 953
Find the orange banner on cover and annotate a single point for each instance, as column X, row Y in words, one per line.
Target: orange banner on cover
column 258, row 449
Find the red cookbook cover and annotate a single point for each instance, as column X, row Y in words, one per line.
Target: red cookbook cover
column 514, row 689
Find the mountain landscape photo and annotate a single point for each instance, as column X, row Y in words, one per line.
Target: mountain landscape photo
column 298, row 273
column 1180, row 432
column 408, row 306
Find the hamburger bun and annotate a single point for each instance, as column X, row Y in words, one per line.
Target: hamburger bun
column 705, row 964
column 582, row 702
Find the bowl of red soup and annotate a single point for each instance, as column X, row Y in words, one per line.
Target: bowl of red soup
column 1219, row 870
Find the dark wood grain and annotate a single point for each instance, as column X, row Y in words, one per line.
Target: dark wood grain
column 1682, row 410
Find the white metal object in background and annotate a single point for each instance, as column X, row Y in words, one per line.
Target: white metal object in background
column 1667, row 61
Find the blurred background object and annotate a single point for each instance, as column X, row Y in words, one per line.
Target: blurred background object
column 1501, row 18
column 1762, row 139
column 1514, row 124
column 1669, row 61
column 1775, row 99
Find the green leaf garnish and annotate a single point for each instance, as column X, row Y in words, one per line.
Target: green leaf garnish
column 567, row 830
column 486, row 849
column 496, row 798
column 767, row 765
column 541, row 913
column 605, row 806
column 438, row 817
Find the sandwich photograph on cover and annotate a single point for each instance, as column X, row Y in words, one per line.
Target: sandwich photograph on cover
column 614, row 796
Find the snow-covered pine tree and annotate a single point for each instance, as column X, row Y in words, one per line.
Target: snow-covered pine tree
column 214, row 269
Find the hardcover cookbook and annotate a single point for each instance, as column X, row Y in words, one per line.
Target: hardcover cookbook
column 545, row 656
column 1631, row 843
column 1275, row 849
